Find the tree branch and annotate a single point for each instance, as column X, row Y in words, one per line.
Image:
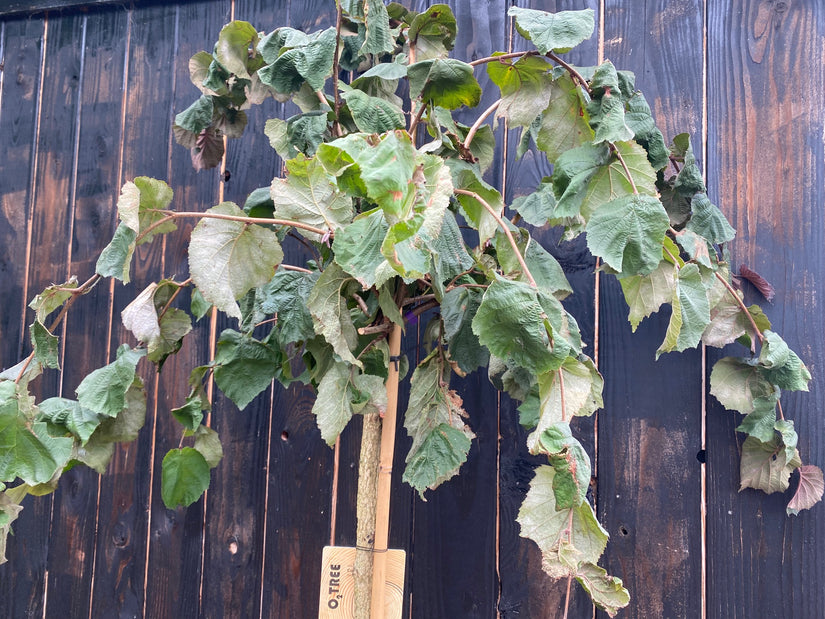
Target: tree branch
column 477, row 124
column 506, row 231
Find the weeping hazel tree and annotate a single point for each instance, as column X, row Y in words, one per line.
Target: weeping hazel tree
column 385, row 192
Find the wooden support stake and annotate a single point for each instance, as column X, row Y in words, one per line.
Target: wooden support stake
column 382, row 502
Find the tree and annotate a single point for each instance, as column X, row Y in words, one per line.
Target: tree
column 378, row 205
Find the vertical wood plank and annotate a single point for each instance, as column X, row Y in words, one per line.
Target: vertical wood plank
column 765, row 148
column 453, row 569
column 22, row 579
column 74, row 514
column 175, row 557
column 650, row 430
column 126, row 491
column 525, row 589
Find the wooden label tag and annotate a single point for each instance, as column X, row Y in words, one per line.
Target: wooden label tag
column 338, row 586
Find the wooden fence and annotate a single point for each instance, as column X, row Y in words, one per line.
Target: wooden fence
column 87, row 96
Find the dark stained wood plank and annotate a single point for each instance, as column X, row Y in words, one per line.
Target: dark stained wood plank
column 176, row 535
column 22, row 579
column 526, row 591
column 74, row 514
column 453, row 569
column 765, row 150
column 649, row 478
column 126, row 491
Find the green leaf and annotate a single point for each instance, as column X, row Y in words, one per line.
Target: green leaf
column 197, row 116
column 190, row 414
column 538, row 207
column 143, row 204
column 432, row 33
column 286, row 295
column 691, row 312
column 357, row 247
column 302, row 133
column 582, row 385
column 736, row 383
column 761, row 421
column 509, row 323
column 116, row 258
column 232, row 49
column 553, row 32
column 330, row 315
column 309, row 62
column 45, row 345
column 782, row 366
column 378, row 38
column 104, row 390
column 458, row 309
column 765, row 465
column 468, row 177
column 244, row 367
column 126, row 425
column 606, row 108
column 645, row 294
column 689, row 179
column 309, row 195
column 610, row 182
column 388, row 307
column 27, row 450
column 573, row 171
column 808, row 493
column 450, row 257
column 627, row 233
column 640, row 121
column 184, row 477
column 435, row 422
column 387, row 173
column 708, row 221
column 447, row 83
column 373, row 114
column 174, row 325
column 564, row 123
column 51, row 298
column 606, row 591
column 544, row 268
column 228, row 258
column 566, row 537
column 342, row 390
column 71, row 415
column 570, row 461
column 526, row 87
column 209, row 445
column 728, row 322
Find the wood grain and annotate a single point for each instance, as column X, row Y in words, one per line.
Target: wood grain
column 765, row 86
column 650, row 431
column 74, row 514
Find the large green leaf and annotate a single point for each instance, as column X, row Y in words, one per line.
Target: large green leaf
column 27, row 450
column 577, row 385
column 510, row 323
column 387, row 173
column 378, row 38
column 104, row 390
column 44, row 345
column 526, row 87
column 606, row 108
column 627, row 233
column 445, row 82
column 330, row 315
column 566, row 537
column 691, row 312
column 44, row 303
column 432, row 33
column 208, row 444
column 228, row 258
column 450, row 257
column 761, row 421
column 708, row 221
column 782, row 366
column 766, row 466
column 435, row 422
column 232, row 49
column 544, row 268
column 341, row 391
column 197, row 116
column 373, row 114
column 808, row 493
column 607, row 592
column 737, row 383
column 310, row 61
column 538, row 207
column 71, row 415
column 286, row 295
column 126, row 426
column 553, row 32
column 309, row 195
column 564, row 123
column 244, row 366
column 358, row 247
column 640, row 120
column 184, row 477
column 645, row 294
column 468, row 177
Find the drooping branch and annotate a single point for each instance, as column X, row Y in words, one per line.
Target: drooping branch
column 477, row 124
column 621, row 160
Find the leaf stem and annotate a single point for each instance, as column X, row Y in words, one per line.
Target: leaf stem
column 292, row 267
column 561, row 395
column 335, row 66
column 477, row 124
column 742, row 306
column 616, row 152
column 417, row 119
column 506, row 231
column 571, row 70
column 172, row 298
column 501, row 57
